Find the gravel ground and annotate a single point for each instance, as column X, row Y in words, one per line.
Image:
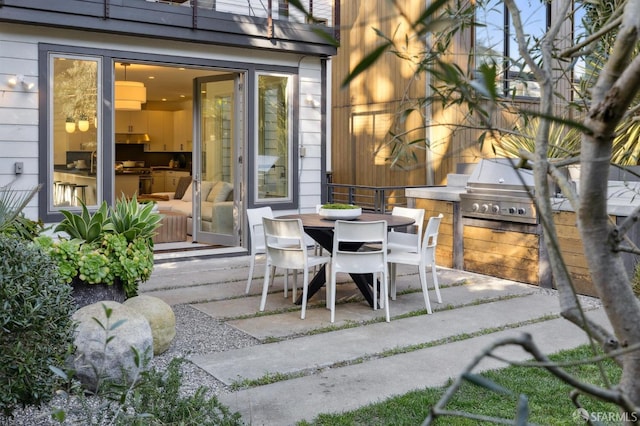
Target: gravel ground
column 196, row 333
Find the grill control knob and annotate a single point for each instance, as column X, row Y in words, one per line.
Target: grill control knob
column 512, row 210
column 495, row 208
column 484, row 208
column 475, row 207
column 521, row 211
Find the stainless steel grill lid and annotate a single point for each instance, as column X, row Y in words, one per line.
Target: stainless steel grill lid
column 498, row 176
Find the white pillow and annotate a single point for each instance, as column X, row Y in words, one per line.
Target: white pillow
column 205, row 189
column 224, row 192
column 220, row 192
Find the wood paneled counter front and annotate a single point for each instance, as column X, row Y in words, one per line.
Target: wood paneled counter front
column 446, row 200
column 519, row 256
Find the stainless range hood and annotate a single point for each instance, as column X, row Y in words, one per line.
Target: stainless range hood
column 132, row 138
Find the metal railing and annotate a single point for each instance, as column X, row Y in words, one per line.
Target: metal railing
column 379, row 199
column 279, row 10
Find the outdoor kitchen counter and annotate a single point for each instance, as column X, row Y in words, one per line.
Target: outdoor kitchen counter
column 623, row 199
column 443, row 193
column 435, row 200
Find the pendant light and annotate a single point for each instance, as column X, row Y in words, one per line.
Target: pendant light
column 83, row 123
column 70, row 125
column 129, row 95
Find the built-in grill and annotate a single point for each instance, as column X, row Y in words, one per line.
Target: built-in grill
column 496, row 190
column 502, row 236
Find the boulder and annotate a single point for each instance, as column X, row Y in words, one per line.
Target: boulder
column 161, row 319
column 93, row 362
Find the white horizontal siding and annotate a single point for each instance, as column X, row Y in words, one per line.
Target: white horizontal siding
column 309, row 134
column 19, row 114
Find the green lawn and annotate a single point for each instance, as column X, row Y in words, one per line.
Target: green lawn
column 549, row 403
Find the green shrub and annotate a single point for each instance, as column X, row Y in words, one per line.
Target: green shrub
column 159, row 396
column 155, row 399
column 36, row 329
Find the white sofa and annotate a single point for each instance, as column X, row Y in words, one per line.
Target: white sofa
column 217, row 207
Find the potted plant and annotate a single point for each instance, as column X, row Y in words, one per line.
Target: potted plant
column 107, row 254
column 340, row 211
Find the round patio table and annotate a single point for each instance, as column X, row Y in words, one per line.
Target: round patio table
column 321, row 230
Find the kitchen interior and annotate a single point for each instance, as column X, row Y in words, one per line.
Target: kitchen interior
column 153, row 139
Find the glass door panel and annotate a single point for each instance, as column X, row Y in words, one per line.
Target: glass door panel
column 215, row 159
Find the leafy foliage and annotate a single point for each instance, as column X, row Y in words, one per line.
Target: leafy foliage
column 12, row 202
column 66, row 254
column 86, row 226
column 564, row 141
column 131, row 262
column 159, row 396
column 133, row 220
column 35, row 319
column 107, row 246
column 25, row 228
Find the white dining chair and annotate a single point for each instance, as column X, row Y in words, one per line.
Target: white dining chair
column 373, row 260
column 256, row 233
column 424, row 257
column 408, row 241
column 293, row 254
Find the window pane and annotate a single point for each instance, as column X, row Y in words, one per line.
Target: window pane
column 490, row 47
column 274, row 138
column 533, row 14
column 580, row 22
column 75, row 134
column 489, row 33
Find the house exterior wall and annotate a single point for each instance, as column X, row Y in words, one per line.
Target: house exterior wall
column 19, row 107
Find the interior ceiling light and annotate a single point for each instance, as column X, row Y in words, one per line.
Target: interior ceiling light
column 130, row 95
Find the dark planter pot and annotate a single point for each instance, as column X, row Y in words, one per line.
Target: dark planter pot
column 86, row 294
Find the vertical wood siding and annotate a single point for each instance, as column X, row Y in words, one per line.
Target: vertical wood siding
column 364, row 111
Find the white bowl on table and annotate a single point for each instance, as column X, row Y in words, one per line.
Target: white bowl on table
column 340, row 214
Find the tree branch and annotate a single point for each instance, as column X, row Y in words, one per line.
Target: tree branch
column 525, row 341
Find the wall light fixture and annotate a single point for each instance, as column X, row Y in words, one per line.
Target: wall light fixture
column 19, row 79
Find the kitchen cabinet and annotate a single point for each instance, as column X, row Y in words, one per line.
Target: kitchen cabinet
column 183, row 130
column 166, row 180
column 132, row 122
column 161, row 131
column 157, row 180
column 127, row 185
column 172, row 178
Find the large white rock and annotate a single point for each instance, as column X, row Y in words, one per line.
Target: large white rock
column 161, row 319
column 93, row 362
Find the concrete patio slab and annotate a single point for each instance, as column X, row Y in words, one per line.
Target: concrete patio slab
column 342, row 389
